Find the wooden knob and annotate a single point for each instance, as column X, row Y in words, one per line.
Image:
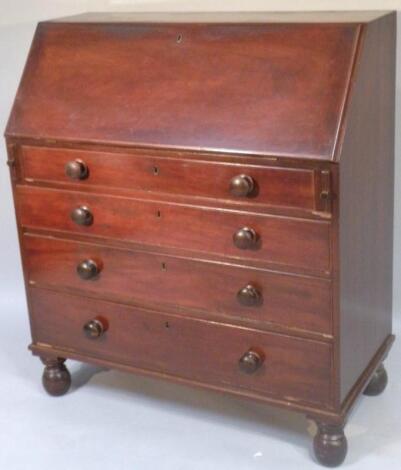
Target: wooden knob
column 249, row 296
column 88, row 269
column 242, row 185
column 245, row 238
column 251, row 361
column 76, row 170
column 95, row 328
column 82, row 216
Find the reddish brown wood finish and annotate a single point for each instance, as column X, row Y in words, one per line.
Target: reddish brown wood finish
column 294, row 368
column 330, row 444
column 160, row 174
column 56, row 378
column 167, row 115
column 366, row 205
column 377, row 383
column 251, row 88
column 295, row 302
column 282, row 241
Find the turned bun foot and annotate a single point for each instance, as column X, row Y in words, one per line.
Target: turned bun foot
column 330, row 444
column 377, row 383
column 56, row 379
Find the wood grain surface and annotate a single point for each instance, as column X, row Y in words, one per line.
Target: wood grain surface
column 275, row 89
column 158, row 173
column 288, row 242
column 297, row 303
column 293, row 368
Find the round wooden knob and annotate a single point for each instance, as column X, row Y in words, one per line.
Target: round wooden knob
column 76, row 170
column 245, row 238
column 249, row 296
column 88, row 269
column 242, row 185
column 95, row 328
column 251, row 361
column 82, row 216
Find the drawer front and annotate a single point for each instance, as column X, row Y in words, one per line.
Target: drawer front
column 290, row 368
column 271, row 186
column 242, row 294
column 277, row 240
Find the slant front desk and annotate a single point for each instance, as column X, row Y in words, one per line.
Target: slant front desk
column 209, row 199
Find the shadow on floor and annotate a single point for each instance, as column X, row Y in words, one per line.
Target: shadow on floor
column 228, row 410
column 255, row 418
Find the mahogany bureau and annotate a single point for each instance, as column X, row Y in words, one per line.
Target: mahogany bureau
column 208, row 199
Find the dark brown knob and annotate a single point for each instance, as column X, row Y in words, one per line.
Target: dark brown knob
column 251, row 361
column 82, row 216
column 249, row 296
column 241, row 185
column 88, row 269
column 245, row 238
column 76, row 170
column 95, row 328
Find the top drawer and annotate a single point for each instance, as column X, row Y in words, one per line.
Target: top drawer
column 298, row 188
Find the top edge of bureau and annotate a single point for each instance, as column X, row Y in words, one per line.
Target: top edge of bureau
column 226, row 17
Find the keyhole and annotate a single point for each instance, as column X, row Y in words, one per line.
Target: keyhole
column 164, row 267
column 167, row 324
column 156, row 170
column 179, row 38
column 158, row 214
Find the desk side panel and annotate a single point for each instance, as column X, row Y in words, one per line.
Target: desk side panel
column 366, row 204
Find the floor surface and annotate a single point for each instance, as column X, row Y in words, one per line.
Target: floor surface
column 115, row 421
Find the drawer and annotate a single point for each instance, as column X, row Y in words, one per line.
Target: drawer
column 259, row 238
column 289, row 368
column 263, row 185
column 228, row 292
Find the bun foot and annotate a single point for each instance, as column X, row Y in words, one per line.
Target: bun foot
column 377, row 383
column 56, row 379
column 330, row 444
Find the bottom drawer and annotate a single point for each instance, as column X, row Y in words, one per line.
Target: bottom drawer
column 289, row 368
